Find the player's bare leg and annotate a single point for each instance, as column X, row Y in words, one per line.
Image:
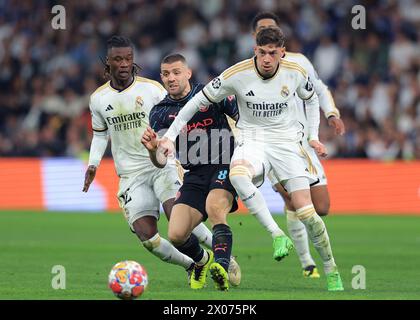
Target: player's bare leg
column 301, row 199
column 321, row 199
column 183, row 220
column 201, row 231
column 218, row 204
column 147, row 231
column 299, row 235
column 241, row 175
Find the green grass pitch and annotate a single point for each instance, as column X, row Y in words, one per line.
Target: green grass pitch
column 88, row 245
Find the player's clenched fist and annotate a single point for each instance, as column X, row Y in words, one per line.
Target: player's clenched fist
column 320, row 149
column 89, row 176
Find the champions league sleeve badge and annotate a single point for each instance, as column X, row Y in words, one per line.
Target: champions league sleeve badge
column 309, row 86
column 216, row 83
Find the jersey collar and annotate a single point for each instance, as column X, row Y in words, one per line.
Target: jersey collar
column 129, row 86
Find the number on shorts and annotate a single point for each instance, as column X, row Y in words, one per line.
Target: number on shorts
column 222, row 174
column 126, row 197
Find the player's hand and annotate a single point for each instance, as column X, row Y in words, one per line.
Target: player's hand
column 166, row 147
column 89, row 176
column 337, row 124
column 149, row 139
column 320, row 149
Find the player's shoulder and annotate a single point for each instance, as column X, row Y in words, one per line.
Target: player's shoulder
column 161, row 110
column 238, row 68
column 99, row 92
column 294, row 63
column 298, row 58
column 152, row 83
column 295, row 56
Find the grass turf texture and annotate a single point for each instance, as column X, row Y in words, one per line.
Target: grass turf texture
column 88, row 245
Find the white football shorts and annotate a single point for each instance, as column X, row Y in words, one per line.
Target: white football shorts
column 316, row 165
column 140, row 194
column 285, row 160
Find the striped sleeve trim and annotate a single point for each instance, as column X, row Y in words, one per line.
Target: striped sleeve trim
column 99, row 130
column 207, row 96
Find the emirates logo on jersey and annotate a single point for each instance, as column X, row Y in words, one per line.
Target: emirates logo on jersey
column 139, row 102
column 284, row 91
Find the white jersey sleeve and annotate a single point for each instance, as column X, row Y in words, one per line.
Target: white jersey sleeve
column 306, row 92
column 214, row 92
column 98, row 122
column 218, row 89
column 305, row 89
column 100, row 135
column 326, row 100
column 185, row 115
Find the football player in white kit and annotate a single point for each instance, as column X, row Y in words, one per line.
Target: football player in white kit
column 120, row 109
column 319, row 190
column 269, row 138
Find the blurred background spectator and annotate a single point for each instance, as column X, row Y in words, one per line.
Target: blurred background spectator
column 46, row 75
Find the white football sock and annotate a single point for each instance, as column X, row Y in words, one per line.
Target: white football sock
column 204, row 235
column 297, row 232
column 254, row 201
column 318, row 234
column 165, row 251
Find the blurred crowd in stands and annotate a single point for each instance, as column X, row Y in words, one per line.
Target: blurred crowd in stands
column 47, row 75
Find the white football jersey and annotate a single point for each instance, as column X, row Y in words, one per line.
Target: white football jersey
column 125, row 115
column 267, row 106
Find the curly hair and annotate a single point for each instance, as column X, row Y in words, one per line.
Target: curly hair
column 118, row 42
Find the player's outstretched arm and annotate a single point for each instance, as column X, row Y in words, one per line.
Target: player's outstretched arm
column 151, row 142
column 97, row 150
column 185, row 115
column 166, row 144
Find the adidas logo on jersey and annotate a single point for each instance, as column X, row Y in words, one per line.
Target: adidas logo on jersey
column 250, row 94
column 109, row 108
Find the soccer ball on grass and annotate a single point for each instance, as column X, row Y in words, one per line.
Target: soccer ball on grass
column 128, row 280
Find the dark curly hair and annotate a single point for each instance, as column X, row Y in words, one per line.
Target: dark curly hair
column 118, row 42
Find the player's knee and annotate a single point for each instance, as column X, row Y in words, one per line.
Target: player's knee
column 217, row 206
column 144, row 231
column 239, row 175
column 177, row 237
column 322, row 207
column 217, row 217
